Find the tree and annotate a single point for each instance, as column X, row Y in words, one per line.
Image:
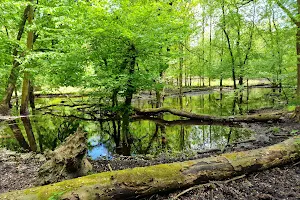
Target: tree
column 295, row 20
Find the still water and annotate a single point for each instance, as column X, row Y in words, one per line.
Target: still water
column 168, row 134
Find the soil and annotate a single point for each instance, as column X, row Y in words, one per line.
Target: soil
column 20, row 170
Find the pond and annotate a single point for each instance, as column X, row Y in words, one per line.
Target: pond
column 168, row 134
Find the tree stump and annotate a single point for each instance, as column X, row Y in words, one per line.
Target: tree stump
column 296, row 114
column 67, row 161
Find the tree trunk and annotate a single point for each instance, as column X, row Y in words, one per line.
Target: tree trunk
column 180, row 68
column 298, row 50
column 229, row 46
column 144, row 181
column 26, row 89
column 127, row 105
column 13, row 125
column 297, row 23
column 15, row 70
column 265, row 117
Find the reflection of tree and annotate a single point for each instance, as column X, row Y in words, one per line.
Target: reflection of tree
column 181, row 138
column 18, row 134
column 149, row 136
column 66, row 128
column 116, row 132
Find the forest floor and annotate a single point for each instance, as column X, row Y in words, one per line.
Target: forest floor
column 20, row 170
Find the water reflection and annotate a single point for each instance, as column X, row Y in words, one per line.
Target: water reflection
column 149, row 136
column 220, row 102
column 97, row 149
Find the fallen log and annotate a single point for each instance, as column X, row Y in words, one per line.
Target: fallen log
column 142, row 181
column 263, row 117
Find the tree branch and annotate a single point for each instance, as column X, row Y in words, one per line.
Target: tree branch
column 287, row 11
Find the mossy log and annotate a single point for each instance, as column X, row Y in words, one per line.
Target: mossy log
column 264, row 117
column 143, row 181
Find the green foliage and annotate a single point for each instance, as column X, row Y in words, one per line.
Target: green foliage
column 86, row 44
column 294, row 132
column 275, row 129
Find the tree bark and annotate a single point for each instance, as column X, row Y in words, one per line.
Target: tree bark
column 229, row 46
column 143, row 181
column 295, row 20
column 265, row 117
column 180, row 68
column 126, row 143
column 15, row 71
column 26, row 87
column 18, row 134
column 298, row 50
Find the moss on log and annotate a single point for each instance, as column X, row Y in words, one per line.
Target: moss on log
column 144, row 181
column 264, row 117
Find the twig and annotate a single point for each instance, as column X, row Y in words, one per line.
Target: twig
column 255, row 175
column 235, row 178
column 297, row 163
column 229, row 180
column 212, row 185
column 109, row 167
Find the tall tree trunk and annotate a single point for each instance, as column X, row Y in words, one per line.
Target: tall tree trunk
column 298, row 50
column 203, row 45
column 210, row 49
column 279, row 54
column 26, row 88
column 298, row 55
column 229, row 46
column 18, row 134
column 127, row 104
column 11, row 84
column 180, row 68
column 239, row 59
column 296, row 21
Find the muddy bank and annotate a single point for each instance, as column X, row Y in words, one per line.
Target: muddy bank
column 18, row 170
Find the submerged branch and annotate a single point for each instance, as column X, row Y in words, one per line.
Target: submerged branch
column 265, row 117
column 183, row 121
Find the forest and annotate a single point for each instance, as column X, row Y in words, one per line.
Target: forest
column 149, row 99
